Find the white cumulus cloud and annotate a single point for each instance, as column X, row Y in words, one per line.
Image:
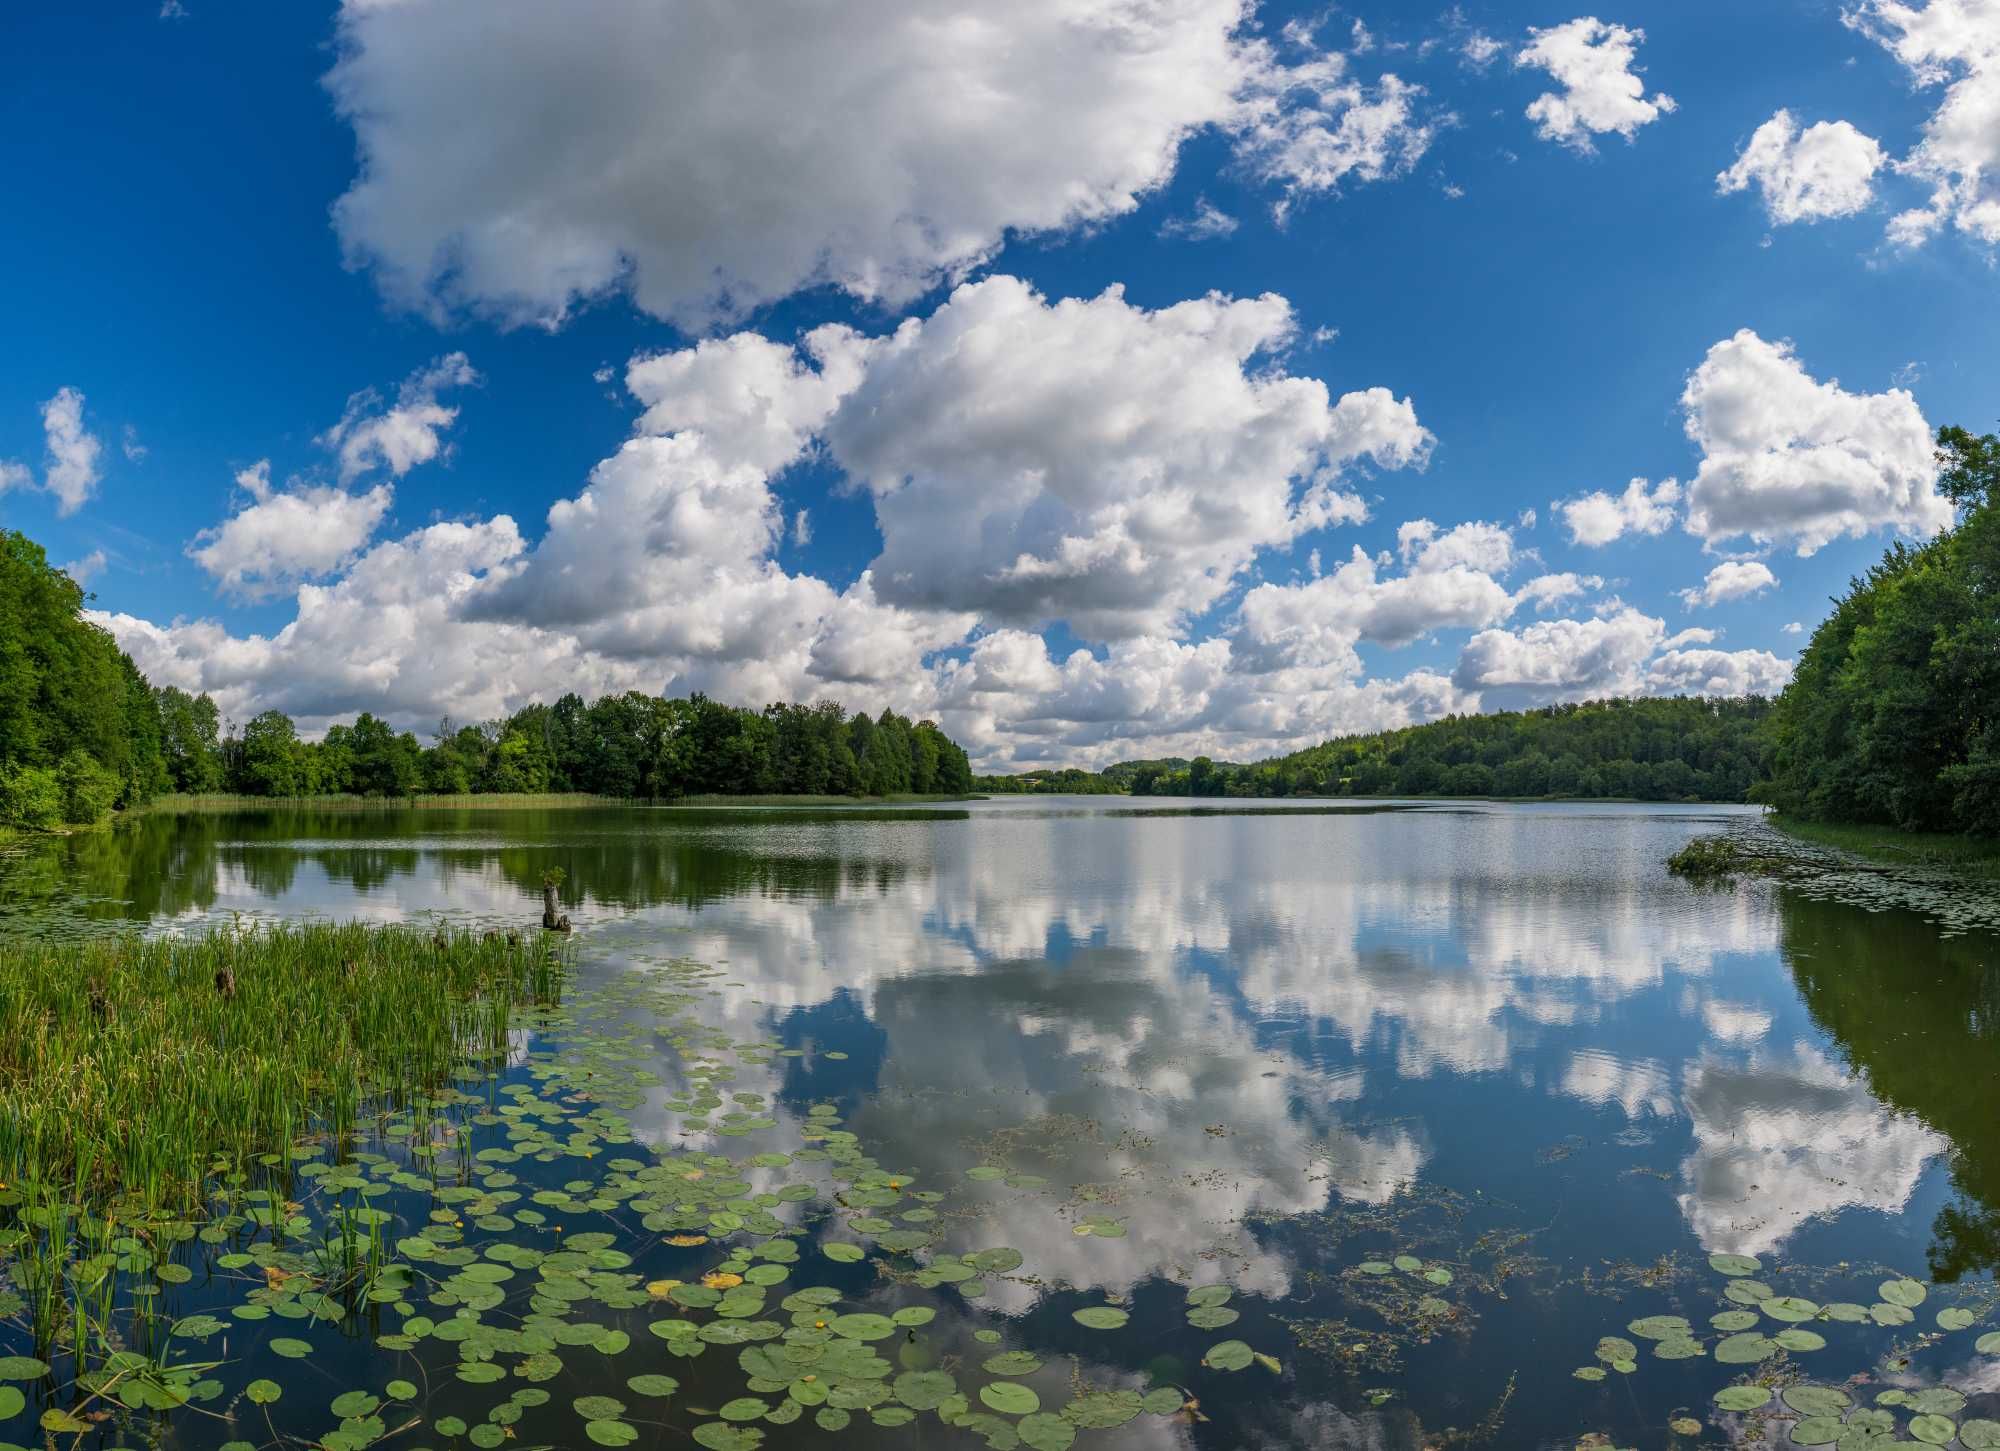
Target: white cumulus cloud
column 1954, row 44
column 1786, row 458
column 404, row 434
column 710, row 158
column 282, row 536
column 1601, row 92
column 1597, row 518
column 74, row 467
column 1733, row 579
column 1097, row 462
column 1826, row 170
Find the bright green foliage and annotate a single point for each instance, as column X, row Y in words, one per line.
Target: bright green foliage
column 79, row 727
column 629, row 745
column 1893, row 717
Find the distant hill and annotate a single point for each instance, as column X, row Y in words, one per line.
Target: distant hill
column 1672, row 748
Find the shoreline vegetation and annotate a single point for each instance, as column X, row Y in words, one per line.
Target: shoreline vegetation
column 83, row 734
column 1663, row 748
column 227, row 801
column 136, row 1072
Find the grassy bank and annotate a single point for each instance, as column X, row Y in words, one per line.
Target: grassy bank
column 1970, row 855
column 132, row 1069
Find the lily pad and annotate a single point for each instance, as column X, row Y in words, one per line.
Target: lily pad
column 1812, row 1400
column 925, row 1390
column 1979, row 1435
column 1013, row 1362
column 1743, row 1398
column 1734, row 1265
column 1616, row 1351
column 1817, row 1431
column 1733, row 1320
column 1043, row 1432
column 1745, row 1349
column 1798, row 1340
column 1789, row 1308
column 1955, row 1318
column 1660, row 1327
column 1100, row 1317
column 1934, row 1430
column 1010, row 1397
column 1228, row 1355
column 1938, row 1401
column 1907, row 1293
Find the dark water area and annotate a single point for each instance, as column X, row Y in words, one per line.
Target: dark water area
column 1450, row 1098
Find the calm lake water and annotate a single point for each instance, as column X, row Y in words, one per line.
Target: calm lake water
column 1272, row 1049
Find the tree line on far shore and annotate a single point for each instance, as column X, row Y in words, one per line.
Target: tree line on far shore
column 82, row 732
column 1892, row 717
column 1670, row 748
column 630, row 745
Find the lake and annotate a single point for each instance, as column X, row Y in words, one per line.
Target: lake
column 1287, row 1125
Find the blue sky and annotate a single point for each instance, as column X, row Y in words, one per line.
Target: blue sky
column 304, row 465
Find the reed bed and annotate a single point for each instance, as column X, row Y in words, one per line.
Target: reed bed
column 132, row 1069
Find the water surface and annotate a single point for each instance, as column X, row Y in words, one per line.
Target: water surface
column 1258, row 1048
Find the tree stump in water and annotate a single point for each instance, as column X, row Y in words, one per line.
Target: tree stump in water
column 549, row 915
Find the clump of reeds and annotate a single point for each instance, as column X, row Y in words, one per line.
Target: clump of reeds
column 133, row 1068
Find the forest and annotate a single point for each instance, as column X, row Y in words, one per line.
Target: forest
column 82, row 732
column 1671, row 748
column 630, row 745
column 1893, row 715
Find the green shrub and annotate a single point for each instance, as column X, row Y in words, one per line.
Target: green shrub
column 89, row 790
column 30, row 797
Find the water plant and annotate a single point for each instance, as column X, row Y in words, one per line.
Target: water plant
column 134, row 1069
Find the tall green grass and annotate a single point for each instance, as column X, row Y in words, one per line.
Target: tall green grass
column 1971, row 856
column 132, row 1069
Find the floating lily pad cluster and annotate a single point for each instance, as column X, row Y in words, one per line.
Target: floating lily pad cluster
column 494, row 1234
column 1769, row 1324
